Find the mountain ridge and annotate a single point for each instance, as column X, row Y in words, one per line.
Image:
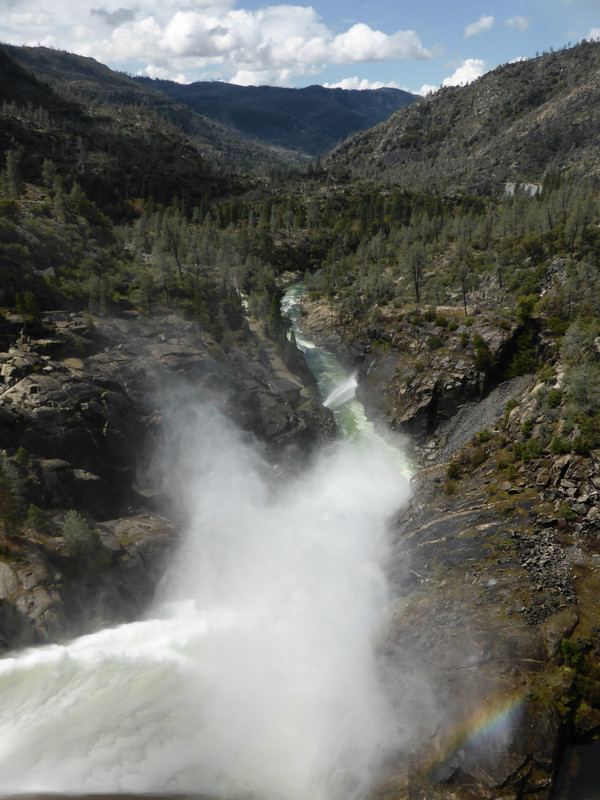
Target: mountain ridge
column 515, row 123
column 272, row 113
column 218, row 115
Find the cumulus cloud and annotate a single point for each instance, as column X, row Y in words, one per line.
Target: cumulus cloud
column 594, row 34
column 114, row 18
column 468, row 71
column 426, row 89
column 274, row 43
column 356, row 83
column 518, row 24
column 361, row 43
column 483, row 24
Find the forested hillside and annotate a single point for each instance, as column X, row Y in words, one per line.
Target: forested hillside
column 110, row 96
column 311, row 120
column 515, row 124
column 114, row 206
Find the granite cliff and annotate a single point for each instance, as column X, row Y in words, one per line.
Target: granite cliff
column 80, row 414
column 494, row 562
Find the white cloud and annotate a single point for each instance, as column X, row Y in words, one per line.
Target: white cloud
column 518, row 24
column 426, row 89
column 361, row 43
column 28, row 19
column 271, row 44
column 156, row 72
column 116, row 17
column 468, row 71
column 482, row 25
column 593, row 34
column 356, row 83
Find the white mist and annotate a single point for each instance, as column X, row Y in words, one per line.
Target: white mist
column 256, row 671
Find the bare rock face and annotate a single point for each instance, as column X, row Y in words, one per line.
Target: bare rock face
column 482, row 625
column 496, row 608
column 492, row 652
column 416, row 371
column 80, row 410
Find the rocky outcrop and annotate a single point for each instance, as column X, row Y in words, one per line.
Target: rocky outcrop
column 417, row 370
column 80, row 410
column 494, row 628
column 495, row 572
column 47, row 595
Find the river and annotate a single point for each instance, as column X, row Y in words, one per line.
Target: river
column 254, row 674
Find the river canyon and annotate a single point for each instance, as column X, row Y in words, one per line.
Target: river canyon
column 330, row 621
column 255, row 671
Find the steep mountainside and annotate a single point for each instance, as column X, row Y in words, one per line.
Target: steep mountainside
column 311, row 120
column 513, row 124
column 104, row 93
column 113, row 151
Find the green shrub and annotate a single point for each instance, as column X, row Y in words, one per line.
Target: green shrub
column 9, row 209
column 533, row 448
column 464, row 340
column 517, row 451
column 512, row 403
column 511, row 472
column 554, row 398
column 484, row 436
column 37, row 519
column 434, row 343
column 452, row 326
column 559, row 447
column 527, row 427
column 547, row 373
column 82, row 542
column 581, row 445
column 484, row 360
column 557, row 326
column 525, row 307
column 571, row 652
column 441, row 322
column 22, row 456
column 453, row 470
column 477, row 457
column 566, row 512
column 525, row 359
column 11, row 493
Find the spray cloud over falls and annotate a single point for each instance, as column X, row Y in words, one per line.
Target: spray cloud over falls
column 256, row 670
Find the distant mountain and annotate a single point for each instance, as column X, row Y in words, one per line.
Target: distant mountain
column 312, row 120
column 114, row 152
column 100, row 90
column 515, row 124
column 234, row 126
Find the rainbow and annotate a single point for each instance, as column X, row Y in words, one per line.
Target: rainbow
column 493, row 720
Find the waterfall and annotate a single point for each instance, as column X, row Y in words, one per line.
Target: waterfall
column 255, row 671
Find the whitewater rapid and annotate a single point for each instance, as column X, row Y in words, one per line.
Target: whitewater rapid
column 255, row 672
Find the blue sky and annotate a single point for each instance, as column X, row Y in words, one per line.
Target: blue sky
column 411, row 45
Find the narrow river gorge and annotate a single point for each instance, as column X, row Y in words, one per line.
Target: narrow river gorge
column 255, row 673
